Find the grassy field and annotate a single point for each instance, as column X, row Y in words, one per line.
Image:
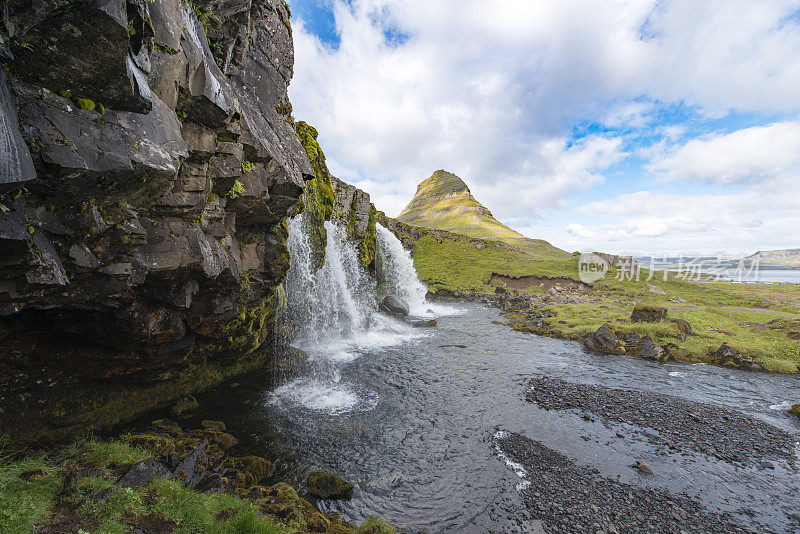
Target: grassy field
column 460, row 265
column 44, row 490
column 757, row 320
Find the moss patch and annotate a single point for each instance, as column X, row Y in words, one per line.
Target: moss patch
column 318, row 197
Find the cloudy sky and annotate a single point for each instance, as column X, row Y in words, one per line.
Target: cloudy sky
column 629, row 126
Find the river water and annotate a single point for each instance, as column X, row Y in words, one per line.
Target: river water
column 409, row 415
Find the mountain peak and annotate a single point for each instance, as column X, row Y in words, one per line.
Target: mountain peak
column 442, row 195
column 444, row 202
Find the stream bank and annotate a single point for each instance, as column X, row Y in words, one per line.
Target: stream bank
column 414, row 425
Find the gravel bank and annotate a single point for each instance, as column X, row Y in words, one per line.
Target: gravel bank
column 572, row 499
column 680, row 424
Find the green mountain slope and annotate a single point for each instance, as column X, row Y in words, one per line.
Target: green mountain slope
column 444, row 202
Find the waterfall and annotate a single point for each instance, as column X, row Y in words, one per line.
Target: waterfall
column 332, row 314
column 399, row 277
column 396, row 271
column 335, row 301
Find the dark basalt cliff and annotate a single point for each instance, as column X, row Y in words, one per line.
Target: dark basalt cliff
column 149, row 162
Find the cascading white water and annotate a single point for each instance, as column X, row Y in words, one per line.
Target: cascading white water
column 333, row 317
column 397, row 272
column 335, row 302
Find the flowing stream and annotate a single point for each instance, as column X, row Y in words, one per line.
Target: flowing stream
column 410, row 415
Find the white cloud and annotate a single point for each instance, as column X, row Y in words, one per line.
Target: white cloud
column 753, row 154
column 648, row 222
column 492, row 89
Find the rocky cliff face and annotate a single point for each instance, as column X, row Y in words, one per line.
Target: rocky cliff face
column 328, row 198
column 148, row 162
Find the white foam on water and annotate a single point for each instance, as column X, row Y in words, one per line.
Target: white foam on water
column 782, row 406
column 677, row 374
column 517, row 467
column 331, row 398
column 332, row 312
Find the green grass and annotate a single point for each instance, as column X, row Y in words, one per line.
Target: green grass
column 23, row 502
column 458, row 265
column 771, row 346
column 27, row 503
column 197, row 512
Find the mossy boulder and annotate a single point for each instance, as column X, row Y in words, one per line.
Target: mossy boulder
column 247, row 471
column 683, row 327
column 795, row 410
column 645, row 313
column 731, row 357
column 282, row 502
column 604, row 340
column 208, row 424
column 324, row 485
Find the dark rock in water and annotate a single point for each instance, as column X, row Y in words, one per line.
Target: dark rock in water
column 324, row 485
column 604, row 340
column 644, row 313
column 795, row 410
column 643, row 467
column 727, row 355
column 643, row 347
column 142, row 473
column 185, row 405
column 394, row 306
column 423, row 323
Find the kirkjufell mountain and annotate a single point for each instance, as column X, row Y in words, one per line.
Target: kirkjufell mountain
column 444, row 202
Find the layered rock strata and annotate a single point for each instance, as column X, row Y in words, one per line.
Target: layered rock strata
column 149, row 162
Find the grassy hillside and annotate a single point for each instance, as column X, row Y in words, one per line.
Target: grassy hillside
column 760, row 321
column 785, row 259
column 462, row 264
column 444, row 202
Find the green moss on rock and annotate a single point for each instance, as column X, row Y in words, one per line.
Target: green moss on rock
column 368, row 246
column 318, row 198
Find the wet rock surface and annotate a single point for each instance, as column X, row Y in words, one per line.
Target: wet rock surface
column 680, row 424
column 324, row 485
column 569, row 498
column 143, row 226
column 394, row 306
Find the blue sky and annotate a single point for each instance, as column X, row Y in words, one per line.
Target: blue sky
column 631, row 126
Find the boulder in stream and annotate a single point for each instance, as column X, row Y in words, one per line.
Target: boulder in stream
column 324, row 485
column 394, row 306
column 604, row 340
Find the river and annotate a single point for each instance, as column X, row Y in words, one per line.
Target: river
column 412, row 416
